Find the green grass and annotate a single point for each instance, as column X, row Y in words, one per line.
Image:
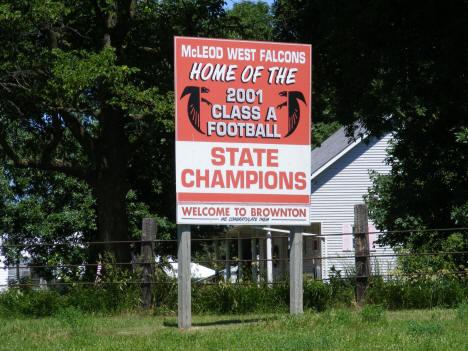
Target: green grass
column 371, row 329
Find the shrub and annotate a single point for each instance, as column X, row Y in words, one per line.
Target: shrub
column 420, row 292
column 341, row 288
column 106, row 298
column 231, row 298
column 33, row 303
column 317, row 295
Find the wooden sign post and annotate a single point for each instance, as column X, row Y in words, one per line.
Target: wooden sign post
column 148, row 235
column 184, row 278
column 296, row 305
column 362, row 263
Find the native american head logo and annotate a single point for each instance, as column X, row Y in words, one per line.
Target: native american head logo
column 294, row 111
column 193, row 105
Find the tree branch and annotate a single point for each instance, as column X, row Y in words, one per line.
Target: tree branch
column 41, row 163
column 57, row 133
column 79, row 132
column 148, row 49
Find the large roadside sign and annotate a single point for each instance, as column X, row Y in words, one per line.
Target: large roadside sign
column 243, row 111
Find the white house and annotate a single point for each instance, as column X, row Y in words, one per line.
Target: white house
column 340, row 177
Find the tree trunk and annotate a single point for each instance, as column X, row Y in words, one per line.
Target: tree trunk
column 110, row 185
column 112, row 221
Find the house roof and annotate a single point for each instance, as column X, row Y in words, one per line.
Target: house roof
column 332, row 149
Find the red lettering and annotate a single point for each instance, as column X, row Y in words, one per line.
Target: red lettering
column 217, row 154
column 185, row 183
column 286, row 180
column 272, row 158
column 232, row 155
column 252, row 178
column 271, row 180
column 205, row 178
column 259, row 153
column 217, row 179
column 300, row 178
column 245, row 158
column 235, row 182
column 187, row 211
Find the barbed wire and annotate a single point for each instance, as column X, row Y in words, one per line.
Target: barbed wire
column 210, row 283
column 234, row 260
column 223, row 238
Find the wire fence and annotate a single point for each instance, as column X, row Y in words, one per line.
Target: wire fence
column 251, row 270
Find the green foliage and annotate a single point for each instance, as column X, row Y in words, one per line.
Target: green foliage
column 107, row 299
column 421, row 328
column 83, row 93
column 321, row 131
column 104, row 299
column 341, row 288
column 318, row 295
column 420, row 292
column 401, row 74
column 343, row 317
column 41, row 303
column 37, row 207
column 427, row 263
column 250, row 20
column 231, row 298
column 70, row 316
column 462, row 312
column 372, row 313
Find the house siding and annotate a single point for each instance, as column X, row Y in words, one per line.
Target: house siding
column 335, row 191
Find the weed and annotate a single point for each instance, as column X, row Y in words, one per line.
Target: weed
column 343, row 317
column 422, row 328
column 372, row 313
column 462, row 312
column 71, row 316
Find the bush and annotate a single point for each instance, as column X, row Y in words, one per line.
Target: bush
column 41, row 303
column 422, row 292
column 317, row 295
column 444, row 291
column 341, row 289
column 105, row 298
column 231, row 298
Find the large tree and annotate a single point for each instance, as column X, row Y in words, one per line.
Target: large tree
column 396, row 66
column 85, row 91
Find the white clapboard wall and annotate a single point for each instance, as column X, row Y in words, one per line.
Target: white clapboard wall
column 339, row 181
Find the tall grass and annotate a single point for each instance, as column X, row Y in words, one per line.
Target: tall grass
column 236, row 299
